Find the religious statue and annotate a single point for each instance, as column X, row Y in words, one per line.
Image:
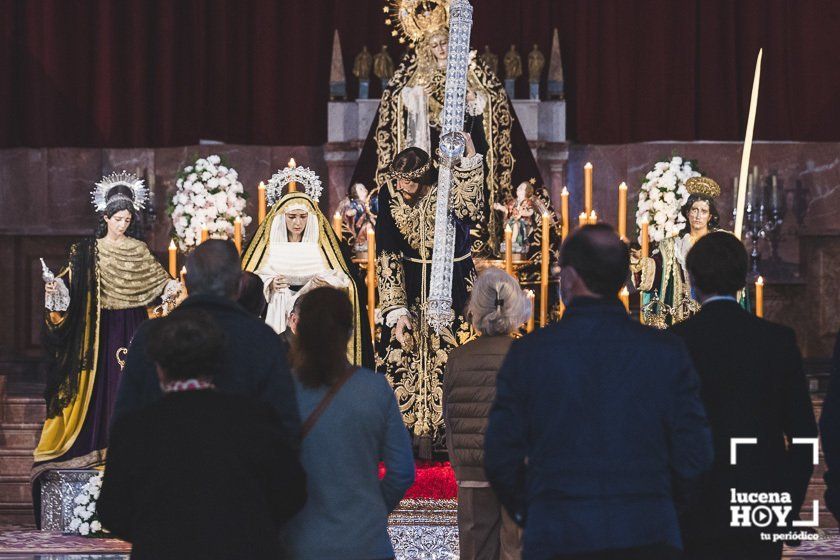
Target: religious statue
column 362, row 67
column 513, row 69
column 536, row 63
column 490, row 60
column 383, row 66
column 662, row 278
column 411, row 353
column 356, row 216
column 521, row 214
column 111, row 279
column 295, row 250
column 410, row 115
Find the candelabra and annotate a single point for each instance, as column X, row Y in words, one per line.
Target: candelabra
column 764, row 218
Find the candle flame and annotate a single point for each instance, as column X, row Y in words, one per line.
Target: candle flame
column 623, row 186
column 507, row 229
column 237, row 220
column 643, row 221
column 337, row 214
column 759, row 281
column 172, row 245
column 370, row 230
column 588, row 165
column 292, row 163
column 530, row 294
column 546, row 214
column 183, row 270
column 261, row 186
column 565, row 192
column 625, row 292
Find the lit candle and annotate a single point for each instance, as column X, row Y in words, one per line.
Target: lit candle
column 183, row 278
column 237, row 234
column 546, row 240
column 587, row 187
column 337, row 224
column 759, row 297
column 173, row 259
column 593, row 218
column 530, row 325
column 261, row 207
column 624, row 296
column 205, row 233
column 508, row 250
column 292, row 184
column 644, row 237
column 622, row 210
column 582, row 219
column 564, row 209
column 371, row 281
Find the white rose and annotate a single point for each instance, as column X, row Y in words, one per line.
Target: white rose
column 192, row 177
column 246, row 220
column 661, row 166
column 86, row 514
column 201, row 162
column 199, row 200
column 676, row 160
column 84, row 529
column 213, row 183
column 205, row 176
column 96, row 526
column 233, row 175
column 214, row 159
column 74, row 523
column 660, row 218
column 82, row 499
column 223, row 182
column 670, row 197
column 655, row 194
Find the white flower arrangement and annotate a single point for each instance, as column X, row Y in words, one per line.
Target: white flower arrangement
column 84, row 520
column 208, row 193
column 662, row 195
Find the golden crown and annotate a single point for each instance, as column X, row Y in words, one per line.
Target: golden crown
column 703, row 186
column 415, row 19
column 411, row 175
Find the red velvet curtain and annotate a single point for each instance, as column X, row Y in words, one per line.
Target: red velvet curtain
column 162, row 72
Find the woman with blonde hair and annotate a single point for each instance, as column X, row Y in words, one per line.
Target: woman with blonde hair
column 497, row 309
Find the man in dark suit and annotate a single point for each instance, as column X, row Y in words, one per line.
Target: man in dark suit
column 254, row 362
column 830, row 432
column 593, row 417
column 753, row 386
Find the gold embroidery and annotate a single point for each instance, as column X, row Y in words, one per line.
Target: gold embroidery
column 467, row 194
column 412, row 221
column 391, row 281
column 130, row 276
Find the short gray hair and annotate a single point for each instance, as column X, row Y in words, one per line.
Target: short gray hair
column 213, row 269
column 497, row 304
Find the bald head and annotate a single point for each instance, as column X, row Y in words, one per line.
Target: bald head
column 599, row 258
column 213, row 269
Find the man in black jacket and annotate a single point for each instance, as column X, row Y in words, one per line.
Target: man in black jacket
column 830, row 432
column 593, row 416
column 753, row 386
column 254, row 363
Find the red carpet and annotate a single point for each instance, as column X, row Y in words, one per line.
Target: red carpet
column 434, row 481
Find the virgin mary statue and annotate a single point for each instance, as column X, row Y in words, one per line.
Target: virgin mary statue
column 296, row 250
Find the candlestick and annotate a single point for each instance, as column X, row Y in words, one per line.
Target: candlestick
column 587, row 187
column 564, row 209
column 184, row 278
column 530, row 325
column 622, row 210
column 292, row 184
column 371, row 281
column 546, row 238
column 759, row 297
column 508, row 250
column 582, row 219
column 593, row 218
column 237, row 234
column 205, row 233
column 173, row 259
column 261, row 206
column 337, row 224
column 624, row 296
column 644, row 241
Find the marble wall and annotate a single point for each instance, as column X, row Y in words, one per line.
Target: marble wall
column 44, row 203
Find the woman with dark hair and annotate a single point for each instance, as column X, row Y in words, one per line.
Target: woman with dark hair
column 411, row 353
column 111, row 279
column 351, row 424
column 663, row 277
column 199, row 473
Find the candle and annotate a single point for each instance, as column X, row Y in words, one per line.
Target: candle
column 530, row 325
column 644, row 241
column 564, row 208
column 624, row 296
column 205, row 233
column 371, row 281
column 759, row 297
column 582, row 219
column 292, row 184
column 546, row 239
column 508, row 250
column 734, row 194
column 337, row 224
column 587, row 187
column 184, row 278
column 261, row 207
column 237, row 234
column 173, row 259
column 593, row 218
column 622, row 210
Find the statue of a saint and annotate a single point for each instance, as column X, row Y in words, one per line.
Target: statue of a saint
column 383, row 66
column 513, row 64
column 363, row 65
column 490, row 59
column 536, row 63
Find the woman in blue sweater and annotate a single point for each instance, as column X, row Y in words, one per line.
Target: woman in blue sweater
column 351, row 423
